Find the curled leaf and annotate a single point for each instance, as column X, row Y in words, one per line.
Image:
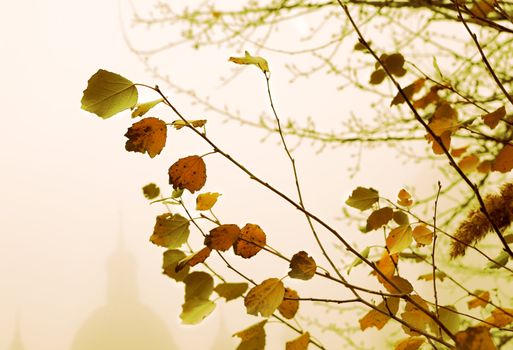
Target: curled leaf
column 178, row 124
column 194, row 259
column 142, row 108
column 302, row 266
column 248, row 59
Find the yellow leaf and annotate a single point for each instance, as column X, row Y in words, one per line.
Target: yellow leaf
column 411, row 343
column 194, row 259
column 302, row 266
column 300, row 343
column 170, row 231
column 206, row 201
column 500, row 318
column 199, row 285
column 415, row 317
column 151, row 191
column 422, row 235
column 248, row 59
column 195, row 310
column 379, row 218
column 480, row 300
column 386, row 265
column 265, row 298
column 449, row 317
column 253, row 337
column 250, row 241
column 363, row 198
column 288, row 307
column 147, row 135
column 171, row 259
column 231, row 291
column 469, row 163
column 429, row 276
column 142, row 108
column 474, row 338
column 189, row 173
column 178, row 124
column 399, row 239
column 492, row 119
column 444, row 119
column 222, row 237
column 378, row 319
column 504, row 159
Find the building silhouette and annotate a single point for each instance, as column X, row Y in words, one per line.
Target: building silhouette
column 17, row 342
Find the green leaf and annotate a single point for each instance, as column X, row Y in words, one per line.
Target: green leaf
column 170, row 231
column 363, row 198
column 253, row 337
column 501, row 259
column 231, row 291
column 195, row 310
column 248, row 59
column 199, row 285
column 171, row 259
column 142, row 108
column 108, row 94
column 358, row 261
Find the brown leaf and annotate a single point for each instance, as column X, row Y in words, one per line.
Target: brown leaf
column 377, row 77
column 415, row 317
column 378, row 319
column 504, row 159
column 500, row 318
column 253, row 337
column 394, row 63
column 379, row 218
column 250, row 241
column 302, row 266
column 446, row 141
column 151, row 191
column 265, row 298
column 189, row 173
column 194, row 259
column 485, row 166
column 300, row 343
column 404, row 285
column 411, row 343
column 427, row 99
column 429, row 276
column 492, row 119
column 147, row 135
column 222, row 237
column 409, row 91
column 288, row 307
column 481, row 300
column 457, row 152
column 474, row 338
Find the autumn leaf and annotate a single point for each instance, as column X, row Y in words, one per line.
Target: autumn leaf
column 250, row 241
column 504, row 159
column 378, row 319
column 404, row 198
column 171, row 259
column 231, row 291
column 457, row 152
column 401, row 218
column 198, row 285
column 492, row 119
column 147, row 135
column 403, row 286
column 178, row 124
column 253, row 337
column 196, row 310
column 422, row 235
column 386, row 265
column 415, row 317
column 500, row 318
column 194, row 259
column 302, row 266
column 449, row 317
column 222, row 237
column 142, row 108
column 363, row 198
column 480, row 300
column 427, row 99
column 485, row 166
column 445, row 139
column 288, row 307
column 409, row 91
column 394, row 63
column 151, row 191
column 411, row 343
column 399, row 239
column 379, row 218
column 189, row 173
column 500, row 260
column 206, row 201
column 377, row 77
column 108, row 93
column 265, row 298
column 482, row 8
column 469, row 163
column 357, row 261
column 429, row 276
column 300, row 343
column 474, row 338
column 255, row 60
column 170, row 231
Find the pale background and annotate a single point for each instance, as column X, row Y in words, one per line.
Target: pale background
column 68, row 186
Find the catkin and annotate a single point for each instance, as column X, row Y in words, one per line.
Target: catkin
column 476, row 226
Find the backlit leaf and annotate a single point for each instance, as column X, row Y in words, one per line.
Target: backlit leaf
column 198, row 285
column 253, row 337
column 482, row 8
column 504, row 159
column 399, row 239
column 170, row 231
column 363, row 198
column 386, row 265
column 222, row 237
column 231, row 291
column 492, row 119
column 485, row 166
column 415, row 317
column 445, row 139
column 189, row 173
column 265, row 298
column 480, row 300
column 429, row 276
column 195, row 310
column 288, row 307
column 357, row 261
column 251, row 240
column 500, row 260
column 108, row 93
column 142, row 108
column 151, row 191
column 171, row 259
column 469, row 163
column 178, row 124
column 300, row 343
column 411, row 343
column 404, row 198
column 475, row 338
column 378, row 319
column 500, row 318
column 422, row 235
column 458, row 152
column 194, row 259
column 147, row 135
column 379, row 218
column 449, row 317
column 302, row 266
column 206, row 201
column 401, row 218
column 248, row 59
column 403, row 285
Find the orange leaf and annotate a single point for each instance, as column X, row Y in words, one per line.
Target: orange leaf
column 456, row 152
column 147, row 135
column 446, row 141
column 379, row 218
column 415, row 317
column 302, row 266
column 411, row 343
column 504, row 159
column 194, row 259
column 492, row 119
column 386, row 265
column 265, row 298
column 427, row 99
column 485, row 166
column 399, row 239
column 500, row 318
column 300, row 343
column 222, row 237
column 482, row 298
column 250, row 241
column 482, row 8
column 378, row 318
column 189, row 173
column 422, row 235
column 288, row 307
column 469, row 163
column 404, row 198
column 475, row 338
column 409, row 91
